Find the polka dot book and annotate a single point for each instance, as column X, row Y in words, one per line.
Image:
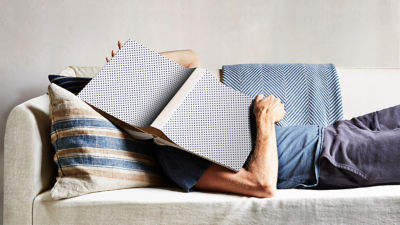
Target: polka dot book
column 186, row 108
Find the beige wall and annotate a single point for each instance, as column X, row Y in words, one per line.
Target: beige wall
column 42, row 37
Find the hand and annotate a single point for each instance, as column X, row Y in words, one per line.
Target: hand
column 268, row 109
column 113, row 52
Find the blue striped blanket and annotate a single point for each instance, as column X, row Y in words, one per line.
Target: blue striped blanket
column 310, row 92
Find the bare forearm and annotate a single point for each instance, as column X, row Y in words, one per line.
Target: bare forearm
column 264, row 161
column 259, row 180
column 187, row 58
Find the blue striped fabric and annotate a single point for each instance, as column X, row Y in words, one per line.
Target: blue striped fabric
column 94, row 141
column 310, row 92
column 100, row 162
column 79, row 122
column 91, row 135
column 72, row 84
column 92, row 154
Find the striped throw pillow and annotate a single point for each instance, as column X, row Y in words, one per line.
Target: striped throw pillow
column 92, row 154
column 72, row 84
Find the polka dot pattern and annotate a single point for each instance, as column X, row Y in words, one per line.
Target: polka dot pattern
column 213, row 122
column 135, row 85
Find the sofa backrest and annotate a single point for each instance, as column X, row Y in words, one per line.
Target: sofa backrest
column 363, row 89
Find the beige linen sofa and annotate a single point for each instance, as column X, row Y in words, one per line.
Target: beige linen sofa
column 29, row 173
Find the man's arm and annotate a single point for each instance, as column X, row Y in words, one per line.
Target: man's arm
column 260, row 179
column 187, row 58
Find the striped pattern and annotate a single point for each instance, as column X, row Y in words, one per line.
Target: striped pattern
column 72, row 84
column 92, row 149
column 310, row 92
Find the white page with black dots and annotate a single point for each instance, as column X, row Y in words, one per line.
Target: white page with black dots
column 205, row 117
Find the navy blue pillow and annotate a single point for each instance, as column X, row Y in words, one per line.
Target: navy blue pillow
column 72, row 84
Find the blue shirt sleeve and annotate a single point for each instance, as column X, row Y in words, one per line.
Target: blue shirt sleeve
column 183, row 168
column 298, row 152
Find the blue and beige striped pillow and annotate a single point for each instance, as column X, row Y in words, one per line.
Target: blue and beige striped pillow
column 92, row 154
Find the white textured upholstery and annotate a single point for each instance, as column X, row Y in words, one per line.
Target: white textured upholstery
column 80, row 71
column 28, row 159
column 171, row 206
column 29, row 170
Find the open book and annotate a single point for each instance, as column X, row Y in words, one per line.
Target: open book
column 185, row 108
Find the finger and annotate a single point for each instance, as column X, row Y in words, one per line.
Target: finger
column 112, row 53
column 270, row 98
column 275, row 101
column 119, row 44
column 259, row 97
column 107, row 59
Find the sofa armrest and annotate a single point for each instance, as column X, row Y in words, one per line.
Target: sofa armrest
column 29, row 168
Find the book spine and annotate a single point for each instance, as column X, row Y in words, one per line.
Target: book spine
column 178, row 98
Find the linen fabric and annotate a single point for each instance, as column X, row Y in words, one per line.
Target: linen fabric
column 376, row 205
column 92, row 154
column 311, row 92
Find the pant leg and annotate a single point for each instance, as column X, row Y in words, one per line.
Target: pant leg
column 385, row 119
column 362, row 151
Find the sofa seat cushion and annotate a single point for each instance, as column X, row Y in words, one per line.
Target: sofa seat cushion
column 172, row 206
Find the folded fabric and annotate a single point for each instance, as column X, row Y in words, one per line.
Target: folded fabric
column 92, row 154
column 72, row 84
column 310, row 92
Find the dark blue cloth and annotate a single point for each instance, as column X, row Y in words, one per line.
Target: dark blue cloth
column 298, row 151
column 363, row 151
column 183, row 168
column 72, row 84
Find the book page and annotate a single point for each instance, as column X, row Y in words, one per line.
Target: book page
column 212, row 121
column 135, row 85
column 178, row 99
column 195, row 113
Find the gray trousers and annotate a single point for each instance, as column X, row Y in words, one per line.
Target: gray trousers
column 363, row 151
